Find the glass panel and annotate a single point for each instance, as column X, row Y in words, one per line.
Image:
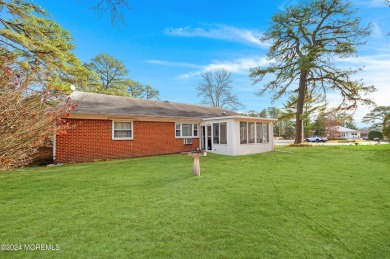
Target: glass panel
column 251, row 132
column 209, row 145
column 259, row 132
column 178, row 130
column 122, row 125
column 265, row 133
column 243, row 132
column 223, row 133
column 216, row 133
column 186, row 130
column 195, row 130
column 122, row 133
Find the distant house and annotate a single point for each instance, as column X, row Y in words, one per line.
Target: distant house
column 342, row 132
column 111, row 127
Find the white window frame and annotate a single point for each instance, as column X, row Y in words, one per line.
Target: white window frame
column 194, row 125
column 219, row 133
column 131, row 130
column 265, row 141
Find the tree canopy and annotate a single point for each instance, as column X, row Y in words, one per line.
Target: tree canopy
column 376, row 116
column 42, row 47
column 215, row 88
column 305, row 40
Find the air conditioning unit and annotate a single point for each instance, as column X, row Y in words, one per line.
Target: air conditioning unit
column 188, row 141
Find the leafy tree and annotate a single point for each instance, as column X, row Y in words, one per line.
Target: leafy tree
column 216, row 90
column 305, row 38
column 43, row 48
column 135, row 89
column 275, row 113
column 111, row 73
column 263, row 113
column 151, row 93
column 376, row 116
column 326, row 122
column 252, row 113
column 386, row 127
column 375, row 134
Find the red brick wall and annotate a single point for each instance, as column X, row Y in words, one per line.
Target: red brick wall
column 92, row 140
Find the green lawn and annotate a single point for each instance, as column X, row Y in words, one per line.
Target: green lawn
column 295, row 202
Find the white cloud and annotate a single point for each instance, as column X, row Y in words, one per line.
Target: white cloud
column 237, row 66
column 171, row 63
column 220, row 32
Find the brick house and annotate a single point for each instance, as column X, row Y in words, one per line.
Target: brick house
column 112, row 127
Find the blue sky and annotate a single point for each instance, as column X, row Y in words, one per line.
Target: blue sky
column 167, row 44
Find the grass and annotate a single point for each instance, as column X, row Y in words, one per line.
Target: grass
column 295, row 202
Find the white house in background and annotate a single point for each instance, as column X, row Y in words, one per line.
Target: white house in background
column 343, row 132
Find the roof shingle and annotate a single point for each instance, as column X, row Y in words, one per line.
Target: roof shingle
column 92, row 103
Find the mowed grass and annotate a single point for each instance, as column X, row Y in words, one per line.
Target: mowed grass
column 294, row 202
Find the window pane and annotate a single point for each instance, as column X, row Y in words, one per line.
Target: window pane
column 187, row 130
column 265, row 133
column 178, row 130
column 122, row 133
column 259, row 132
column 216, row 133
column 223, row 133
column 195, row 130
column 243, row 132
column 122, row 125
column 251, row 132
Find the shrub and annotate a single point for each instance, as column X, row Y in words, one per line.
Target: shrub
column 375, row 134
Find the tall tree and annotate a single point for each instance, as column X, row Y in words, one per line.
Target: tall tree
column 376, row 116
column 111, row 73
column 215, row 89
column 42, row 47
column 151, row 93
column 305, row 38
column 134, row 88
column 275, row 113
column 263, row 113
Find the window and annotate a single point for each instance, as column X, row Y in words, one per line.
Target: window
column 259, row 132
column 223, row 133
column 216, row 133
column 122, row 130
column 195, row 130
column 265, row 133
column 251, row 132
column 243, row 132
column 186, row 130
column 178, row 131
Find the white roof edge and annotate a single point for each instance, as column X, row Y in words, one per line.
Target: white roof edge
column 239, row 117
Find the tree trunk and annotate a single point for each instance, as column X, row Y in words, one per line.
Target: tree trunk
column 300, row 105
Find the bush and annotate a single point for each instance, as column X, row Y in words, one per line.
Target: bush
column 375, row 134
